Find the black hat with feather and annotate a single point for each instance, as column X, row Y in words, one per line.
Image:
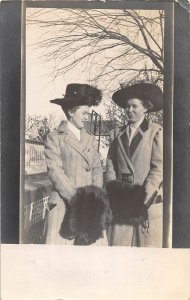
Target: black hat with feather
column 79, row 94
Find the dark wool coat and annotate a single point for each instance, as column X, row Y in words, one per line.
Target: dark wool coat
column 140, row 163
column 71, row 164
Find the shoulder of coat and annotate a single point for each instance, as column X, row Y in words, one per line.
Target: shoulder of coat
column 51, row 137
column 156, row 127
column 120, row 129
column 116, row 131
column 54, row 133
column 62, row 128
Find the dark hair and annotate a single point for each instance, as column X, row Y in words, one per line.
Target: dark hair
column 71, row 108
column 147, row 104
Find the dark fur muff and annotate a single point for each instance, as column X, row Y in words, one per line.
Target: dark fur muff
column 87, row 216
column 91, row 210
column 127, row 203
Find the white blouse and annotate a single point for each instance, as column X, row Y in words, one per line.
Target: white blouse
column 74, row 130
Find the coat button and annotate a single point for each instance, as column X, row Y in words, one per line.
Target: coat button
column 87, row 169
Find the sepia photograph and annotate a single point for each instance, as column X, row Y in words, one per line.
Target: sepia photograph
column 95, row 150
column 94, row 127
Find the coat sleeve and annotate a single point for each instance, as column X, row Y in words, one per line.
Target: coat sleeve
column 55, row 168
column 97, row 170
column 155, row 176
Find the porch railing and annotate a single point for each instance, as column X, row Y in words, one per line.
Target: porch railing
column 34, row 157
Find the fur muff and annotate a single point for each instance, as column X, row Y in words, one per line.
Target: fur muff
column 87, row 215
column 127, row 203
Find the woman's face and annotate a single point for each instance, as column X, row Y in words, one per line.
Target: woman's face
column 135, row 110
column 79, row 117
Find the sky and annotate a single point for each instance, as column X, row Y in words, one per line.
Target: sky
column 40, row 88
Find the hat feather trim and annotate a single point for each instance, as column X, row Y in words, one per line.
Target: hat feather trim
column 79, row 94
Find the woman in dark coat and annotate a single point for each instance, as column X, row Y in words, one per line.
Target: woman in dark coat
column 136, row 157
column 71, row 156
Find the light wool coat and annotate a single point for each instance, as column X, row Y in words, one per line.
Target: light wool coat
column 140, row 163
column 71, row 164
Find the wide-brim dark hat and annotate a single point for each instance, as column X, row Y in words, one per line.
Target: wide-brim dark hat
column 79, row 94
column 142, row 91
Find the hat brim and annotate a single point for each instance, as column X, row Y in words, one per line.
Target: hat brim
column 71, row 102
column 142, row 91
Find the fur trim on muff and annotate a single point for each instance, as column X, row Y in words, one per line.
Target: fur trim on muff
column 127, row 203
column 65, row 230
column 87, row 216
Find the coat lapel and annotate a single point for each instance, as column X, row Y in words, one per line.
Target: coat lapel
column 128, row 151
column 124, row 146
column 125, row 143
column 138, row 136
column 70, row 138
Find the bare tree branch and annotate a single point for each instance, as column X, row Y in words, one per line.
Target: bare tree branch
column 112, row 42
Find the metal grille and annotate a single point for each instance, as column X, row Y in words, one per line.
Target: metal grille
column 38, row 209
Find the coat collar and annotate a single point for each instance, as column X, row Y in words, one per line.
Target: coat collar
column 124, row 146
column 138, row 136
column 123, row 141
column 144, row 125
column 81, row 146
column 63, row 128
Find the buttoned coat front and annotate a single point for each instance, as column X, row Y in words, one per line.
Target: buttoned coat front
column 71, row 164
column 140, row 163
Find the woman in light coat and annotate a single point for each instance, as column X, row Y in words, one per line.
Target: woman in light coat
column 135, row 156
column 71, row 156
